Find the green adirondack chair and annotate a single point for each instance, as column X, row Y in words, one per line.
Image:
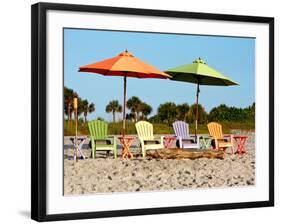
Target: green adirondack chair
column 99, row 138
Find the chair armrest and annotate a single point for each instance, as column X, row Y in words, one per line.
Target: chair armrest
column 179, row 137
column 228, row 136
column 225, row 137
column 192, row 138
column 112, row 137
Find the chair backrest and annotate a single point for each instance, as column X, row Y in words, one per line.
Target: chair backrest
column 215, row 130
column 98, row 129
column 181, row 129
column 145, row 130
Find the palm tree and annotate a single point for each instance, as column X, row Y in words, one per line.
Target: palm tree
column 91, row 108
column 130, row 116
column 134, row 104
column 113, row 107
column 87, row 108
column 145, row 110
column 80, row 108
column 167, row 112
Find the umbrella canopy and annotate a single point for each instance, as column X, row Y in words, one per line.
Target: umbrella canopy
column 126, row 65
column 201, row 74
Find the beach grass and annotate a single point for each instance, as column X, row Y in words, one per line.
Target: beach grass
column 158, row 128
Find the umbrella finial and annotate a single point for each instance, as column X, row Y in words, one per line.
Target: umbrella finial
column 126, row 53
column 199, row 60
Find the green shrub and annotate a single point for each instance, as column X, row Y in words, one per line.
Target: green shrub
column 158, row 128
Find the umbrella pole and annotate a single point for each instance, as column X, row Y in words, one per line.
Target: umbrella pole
column 124, row 106
column 196, row 119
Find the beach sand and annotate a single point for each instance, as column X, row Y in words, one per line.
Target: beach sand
column 106, row 174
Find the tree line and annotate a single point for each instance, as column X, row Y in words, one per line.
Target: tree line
column 166, row 113
column 84, row 107
column 170, row 112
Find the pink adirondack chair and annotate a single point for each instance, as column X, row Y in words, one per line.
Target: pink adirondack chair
column 181, row 130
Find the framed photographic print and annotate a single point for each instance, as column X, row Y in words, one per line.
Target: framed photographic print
column 139, row 111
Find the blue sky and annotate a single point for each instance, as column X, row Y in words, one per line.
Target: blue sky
column 232, row 56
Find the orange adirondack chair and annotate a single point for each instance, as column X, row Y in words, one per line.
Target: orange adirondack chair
column 221, row 141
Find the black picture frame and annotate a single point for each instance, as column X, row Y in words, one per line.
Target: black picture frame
column 38, row 109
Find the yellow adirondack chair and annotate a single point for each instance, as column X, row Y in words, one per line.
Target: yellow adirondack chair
column 147, row 140
column 221, row 141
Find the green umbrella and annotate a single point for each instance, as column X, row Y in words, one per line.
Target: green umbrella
column 201, row 74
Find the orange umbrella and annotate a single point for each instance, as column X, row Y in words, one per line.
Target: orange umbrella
column 126, row 65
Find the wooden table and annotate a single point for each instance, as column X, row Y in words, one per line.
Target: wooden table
column 126, row 142
column 80, row 143
column 240, row 140
column 205, row 142
column 168, row 141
